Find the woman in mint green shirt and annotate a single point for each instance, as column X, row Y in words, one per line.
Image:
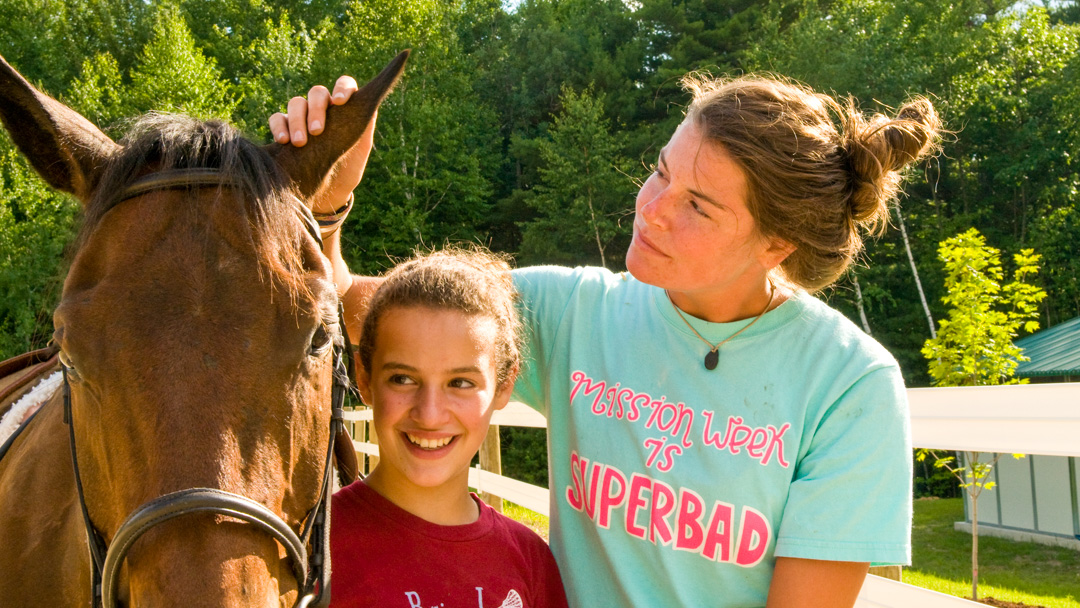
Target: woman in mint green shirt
column 717, row 435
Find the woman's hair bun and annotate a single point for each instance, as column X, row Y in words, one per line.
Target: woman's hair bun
column 879, row 147
column 820, row 174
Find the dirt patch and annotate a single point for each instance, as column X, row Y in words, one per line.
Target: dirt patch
column 989, row 601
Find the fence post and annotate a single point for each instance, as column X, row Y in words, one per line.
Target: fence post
column 371, row 438
column 491, row 461
column 889, row 572
column 355, row 432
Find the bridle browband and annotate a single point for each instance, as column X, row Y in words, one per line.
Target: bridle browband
column 312, row 573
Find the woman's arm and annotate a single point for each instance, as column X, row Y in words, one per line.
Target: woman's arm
column 355, row 301
column 815, row 583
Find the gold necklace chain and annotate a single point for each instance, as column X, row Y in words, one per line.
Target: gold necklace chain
column 712, row 358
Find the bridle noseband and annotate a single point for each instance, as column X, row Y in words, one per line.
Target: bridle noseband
column 312, row 573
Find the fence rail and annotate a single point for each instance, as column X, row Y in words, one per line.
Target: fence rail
column 1024, row 419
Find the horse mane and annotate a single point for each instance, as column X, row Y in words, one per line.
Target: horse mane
column 161, row 142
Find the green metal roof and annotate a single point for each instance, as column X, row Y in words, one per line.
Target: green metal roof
column 1054, row 351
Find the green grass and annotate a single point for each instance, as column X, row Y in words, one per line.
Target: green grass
column 532, row 519
column 1018, row 572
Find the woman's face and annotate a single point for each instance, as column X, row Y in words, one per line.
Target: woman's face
column 693, row 233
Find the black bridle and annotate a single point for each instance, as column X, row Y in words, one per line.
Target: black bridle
column 312, row 572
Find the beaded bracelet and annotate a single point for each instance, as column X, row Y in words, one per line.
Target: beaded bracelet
column 330, row 222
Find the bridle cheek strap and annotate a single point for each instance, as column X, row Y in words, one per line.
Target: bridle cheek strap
column 98, row 547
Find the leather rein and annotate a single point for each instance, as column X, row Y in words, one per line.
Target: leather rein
column 312, row 572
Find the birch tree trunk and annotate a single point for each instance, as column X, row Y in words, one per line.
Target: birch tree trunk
column 859, row 303
column 592, row 217
column 915, row 273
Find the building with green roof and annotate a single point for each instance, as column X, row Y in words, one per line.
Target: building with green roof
column 1053, row 353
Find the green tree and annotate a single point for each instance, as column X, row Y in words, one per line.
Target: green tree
column 276, row 66
column 100, row 94
column 585, row 190
column 268, row 50
column 974, row 345
column 228, row 29
column 681, row 36
column 1016, row 143
column 173, row 75
column 48, row 40
column 430, row 177
column 530, row 55
column 36, row 224
column 461, row 144
column 1057, row 234
column 554, row 44
column 1063, row 11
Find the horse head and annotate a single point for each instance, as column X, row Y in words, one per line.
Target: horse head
column 196, row 326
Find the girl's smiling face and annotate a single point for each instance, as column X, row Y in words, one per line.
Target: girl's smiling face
column 433, row 388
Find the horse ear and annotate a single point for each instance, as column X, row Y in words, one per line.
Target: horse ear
column 311, row 166
column 67, row 150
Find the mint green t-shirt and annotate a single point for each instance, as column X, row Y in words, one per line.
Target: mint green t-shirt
column 673, row 485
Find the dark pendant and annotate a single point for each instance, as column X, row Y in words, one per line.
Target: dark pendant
column 711, row 359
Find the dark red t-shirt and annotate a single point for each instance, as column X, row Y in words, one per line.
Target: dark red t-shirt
column 385, row 557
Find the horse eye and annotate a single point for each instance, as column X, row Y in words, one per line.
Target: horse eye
column 320, row 341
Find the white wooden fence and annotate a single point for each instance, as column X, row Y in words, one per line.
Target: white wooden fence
column 1023, row 419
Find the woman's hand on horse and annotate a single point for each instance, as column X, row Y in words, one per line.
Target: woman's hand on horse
column 307, row 115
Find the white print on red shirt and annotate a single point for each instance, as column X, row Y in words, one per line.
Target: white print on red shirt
column 675, row 421
column 513, row 600
column 655, row 512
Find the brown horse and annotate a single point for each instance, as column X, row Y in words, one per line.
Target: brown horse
column 195, row 329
